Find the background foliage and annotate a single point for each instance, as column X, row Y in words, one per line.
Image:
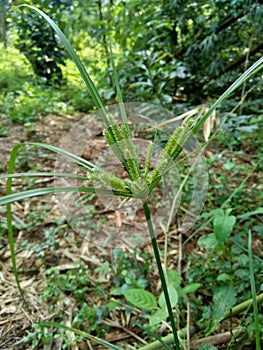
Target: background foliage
column 171, row 51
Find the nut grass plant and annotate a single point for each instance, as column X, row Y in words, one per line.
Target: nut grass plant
column 120, row 141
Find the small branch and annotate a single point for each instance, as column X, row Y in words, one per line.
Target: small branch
column 182, row 333
column 216, row 339
column 243, row 306
column 168, row 339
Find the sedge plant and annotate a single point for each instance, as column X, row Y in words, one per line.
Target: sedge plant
column 140, row 182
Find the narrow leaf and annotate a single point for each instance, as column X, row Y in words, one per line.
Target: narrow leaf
column 244, row 77
column 118, row 91
column 81, row 333
column 42, row 174
column 14, row 197
column 89, row 83
column 255, row 212
column 78, row 160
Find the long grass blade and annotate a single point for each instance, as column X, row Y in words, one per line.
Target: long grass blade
column 253, row 291
column 10, row 198
column 118, row 91
column 43, row 174
column 85, row 76
column 78, row 160
column 11, row 238
column 14, row 197
column 81, row 333
column 244, row 77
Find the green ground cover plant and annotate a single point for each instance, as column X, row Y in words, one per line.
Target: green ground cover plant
column 25, row 98
column 140, row 183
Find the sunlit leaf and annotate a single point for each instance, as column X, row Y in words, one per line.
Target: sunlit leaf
column 141, row 298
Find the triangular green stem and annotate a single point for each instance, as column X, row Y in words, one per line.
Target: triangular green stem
column 161, row 273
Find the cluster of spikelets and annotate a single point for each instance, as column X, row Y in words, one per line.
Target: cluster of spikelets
column 141, row 182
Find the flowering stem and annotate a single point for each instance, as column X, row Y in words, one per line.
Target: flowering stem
column 161, row 273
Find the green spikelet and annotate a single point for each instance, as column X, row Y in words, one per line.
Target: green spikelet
column 125, row 131
column 116, row 130
column 110, row 137
column 131, row 158
column 172, row 142
column 147, row 163
column 108, row 179
column 172, row 149
column 119, row 139
column 139, row 189
column 182, row 139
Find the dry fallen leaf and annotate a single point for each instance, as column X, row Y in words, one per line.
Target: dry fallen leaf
column 209, row 125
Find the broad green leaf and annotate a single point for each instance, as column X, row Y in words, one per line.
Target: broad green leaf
column 224, row 299
column 174, row 278
column 158, row 316
column 112, row 304
column 207, row 347
column 116, row 291
column 172, row 295
column 141, row 298
column 223, row 226
column 209, row 241
column 190, row 288
column 224, row 277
